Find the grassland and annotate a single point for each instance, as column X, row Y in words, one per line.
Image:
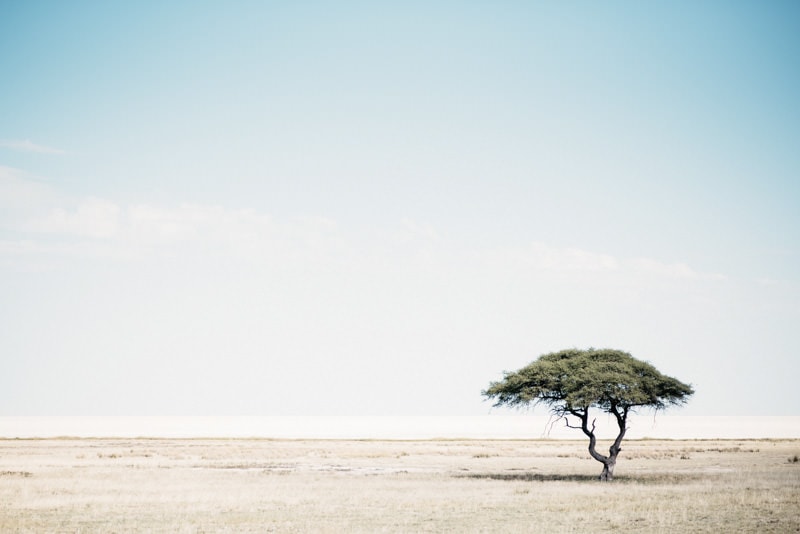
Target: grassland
column 241, row 485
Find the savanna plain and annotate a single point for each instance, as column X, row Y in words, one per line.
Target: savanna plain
column 261, row 485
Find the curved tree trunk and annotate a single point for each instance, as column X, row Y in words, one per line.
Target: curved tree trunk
column 610, row 461
column 608, row 469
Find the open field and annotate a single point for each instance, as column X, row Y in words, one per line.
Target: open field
column 257, row 485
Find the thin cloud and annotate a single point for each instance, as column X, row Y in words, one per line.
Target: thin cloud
column 93, row 218
column 671, row 270
column 143, row 230
column 542, row 257
column 29, row 146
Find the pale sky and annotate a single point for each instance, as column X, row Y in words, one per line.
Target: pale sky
column 336, row 208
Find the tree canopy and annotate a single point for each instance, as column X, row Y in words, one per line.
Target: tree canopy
column 572, row 381
column 575, row 379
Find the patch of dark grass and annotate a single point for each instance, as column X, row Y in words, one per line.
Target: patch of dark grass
column 24, row 474
column 730, row 449
column 249, row 466
column 657, row 479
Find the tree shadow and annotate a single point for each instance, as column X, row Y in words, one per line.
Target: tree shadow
column 530, row 477
column 637, row 478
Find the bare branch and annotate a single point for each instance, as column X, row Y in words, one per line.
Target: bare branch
column 566, row 422
column 551, row 423
column 576, row 413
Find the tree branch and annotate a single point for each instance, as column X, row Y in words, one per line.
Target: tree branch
column 622, row 419
column 584, row 417
column 566, row 422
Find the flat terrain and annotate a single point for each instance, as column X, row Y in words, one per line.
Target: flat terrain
column 259, row 485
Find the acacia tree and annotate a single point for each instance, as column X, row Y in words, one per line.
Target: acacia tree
column 572, row 381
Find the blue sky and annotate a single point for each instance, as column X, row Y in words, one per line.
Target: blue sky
column 366, row 208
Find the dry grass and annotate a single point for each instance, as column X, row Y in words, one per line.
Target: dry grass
column 122, row 485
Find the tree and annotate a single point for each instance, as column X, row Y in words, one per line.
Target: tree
column 572, row 381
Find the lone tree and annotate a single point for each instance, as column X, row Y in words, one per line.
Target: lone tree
column 572, row 381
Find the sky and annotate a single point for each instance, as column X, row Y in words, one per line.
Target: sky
column 368, row 208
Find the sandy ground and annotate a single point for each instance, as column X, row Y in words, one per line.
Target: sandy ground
column 259, row 485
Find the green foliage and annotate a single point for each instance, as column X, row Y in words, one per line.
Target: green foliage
column 575, row 380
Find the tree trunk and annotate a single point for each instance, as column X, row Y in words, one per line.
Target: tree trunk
column 610, row 461
column 608, row 469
